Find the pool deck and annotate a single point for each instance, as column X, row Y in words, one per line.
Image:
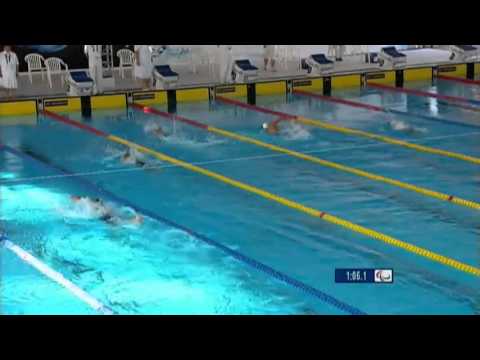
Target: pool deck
column 203, row 78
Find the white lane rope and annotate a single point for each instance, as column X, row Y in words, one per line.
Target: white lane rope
column 57, row 277
column 200, row 163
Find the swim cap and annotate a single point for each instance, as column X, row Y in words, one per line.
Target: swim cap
column 265, row 126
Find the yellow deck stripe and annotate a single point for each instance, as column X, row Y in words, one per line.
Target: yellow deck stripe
column 417, row 189
column 386, row 139
column 307, row 210
column 15, row 108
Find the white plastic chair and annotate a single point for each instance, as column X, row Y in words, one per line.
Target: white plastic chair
column 34, row 63
column 54, row 66
column 127, row 60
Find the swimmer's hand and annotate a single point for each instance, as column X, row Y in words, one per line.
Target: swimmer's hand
column 138, row 220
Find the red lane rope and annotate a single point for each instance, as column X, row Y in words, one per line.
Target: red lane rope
column 150, row 110
column 419, row 93
column 282, row 118
column 73, row 123
column 340, row 101
column 457, row 79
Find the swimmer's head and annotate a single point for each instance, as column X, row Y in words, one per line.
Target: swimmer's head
column 265, row 126
column 75, row 198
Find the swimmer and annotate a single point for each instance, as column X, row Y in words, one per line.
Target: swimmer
column 104, row 213
column 115, row 220
column 405, row 127
column 158, row 132
column 130, row 158
column 271, row 128
column 96, row 205
column 76, row 199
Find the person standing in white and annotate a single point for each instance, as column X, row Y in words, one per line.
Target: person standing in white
column 143, row 66
column 218, row 62
column 269, row 56
column 225, row 63
column 9, row 70
column 339, row 52
column 95, row 66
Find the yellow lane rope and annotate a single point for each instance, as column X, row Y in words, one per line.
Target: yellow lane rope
column 351, row 170
column 331, row 127
column 307, row 210
column 386, row 139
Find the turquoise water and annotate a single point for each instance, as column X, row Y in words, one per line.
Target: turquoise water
column 26, row 292
column 159, row 269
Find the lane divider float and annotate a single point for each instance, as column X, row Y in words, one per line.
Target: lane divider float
column 228, row 134
column 349, row 131
column 425, row 253
column 256, row 265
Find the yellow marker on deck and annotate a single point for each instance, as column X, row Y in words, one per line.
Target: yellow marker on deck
column 307, row 210
column 386, row 139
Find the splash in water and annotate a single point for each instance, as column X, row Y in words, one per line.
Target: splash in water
column 82, row 209
column 114, row 157
column 151, row 126
column 399, row 125
column 293, row 131
column 179, row 137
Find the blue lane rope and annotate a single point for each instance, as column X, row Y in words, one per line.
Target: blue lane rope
column 235, row 254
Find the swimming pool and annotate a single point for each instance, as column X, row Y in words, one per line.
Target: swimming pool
column 162, row 268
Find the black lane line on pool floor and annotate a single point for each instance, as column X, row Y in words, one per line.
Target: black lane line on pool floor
column 279, row 276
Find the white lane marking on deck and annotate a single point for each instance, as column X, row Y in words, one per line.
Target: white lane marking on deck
column 57, row 277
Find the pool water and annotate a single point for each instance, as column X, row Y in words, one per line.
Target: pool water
column 159, row 269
